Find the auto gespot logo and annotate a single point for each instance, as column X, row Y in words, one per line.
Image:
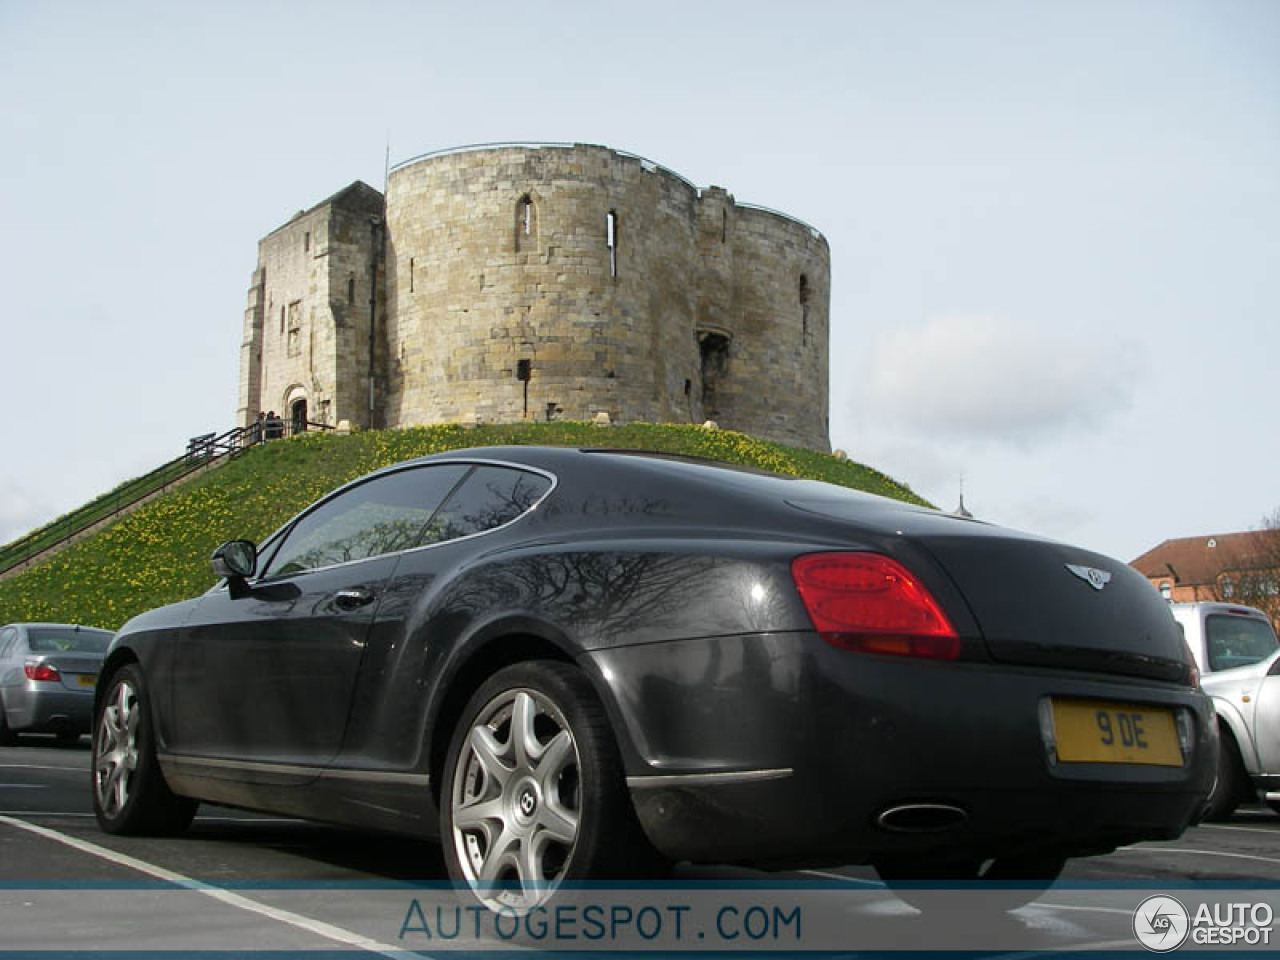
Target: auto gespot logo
column 1161, row 924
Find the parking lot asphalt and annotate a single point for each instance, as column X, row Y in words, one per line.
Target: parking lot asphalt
column 246, row 881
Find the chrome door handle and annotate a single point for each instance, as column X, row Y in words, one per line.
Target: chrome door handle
column 352, row 598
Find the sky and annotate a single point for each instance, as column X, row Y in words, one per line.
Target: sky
column 1054, row 226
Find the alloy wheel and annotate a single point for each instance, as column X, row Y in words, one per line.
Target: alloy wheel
column 115, row 751
column 516, row 800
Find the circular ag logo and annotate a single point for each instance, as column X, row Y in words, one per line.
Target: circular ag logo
column 1161, row 923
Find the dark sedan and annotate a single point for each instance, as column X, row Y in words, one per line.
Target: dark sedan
column 573, row 664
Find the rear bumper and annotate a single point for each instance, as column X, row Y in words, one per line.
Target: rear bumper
column 48, row 708
column 776, row 824
column 824, row 741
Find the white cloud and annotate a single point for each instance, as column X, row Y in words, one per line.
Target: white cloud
column 1051, row 516
column 989, row 379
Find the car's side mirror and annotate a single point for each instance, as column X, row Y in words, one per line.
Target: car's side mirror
column 235, row 560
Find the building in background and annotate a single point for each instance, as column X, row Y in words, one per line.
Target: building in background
column 539, row 282
column 1232, row 567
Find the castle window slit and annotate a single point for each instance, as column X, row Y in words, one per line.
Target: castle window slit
column 611, row 238
column 804, row 308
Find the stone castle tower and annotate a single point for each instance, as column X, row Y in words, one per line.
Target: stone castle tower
column 524, row 281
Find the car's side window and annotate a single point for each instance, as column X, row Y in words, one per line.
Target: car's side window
column 380, row 516
column 488, row 498
column 1237, row 641
column 8, row 638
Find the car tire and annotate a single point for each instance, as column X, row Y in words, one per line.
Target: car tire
column 8, row 737
column 970, row 886
column 1231, row 782
column 533, row 793
column 130, row 795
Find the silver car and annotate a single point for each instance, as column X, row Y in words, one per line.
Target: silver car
column 47, row 675
column 1239, row 658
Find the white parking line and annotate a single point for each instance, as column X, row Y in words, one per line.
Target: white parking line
column 1222, row 826
column 199, row 819
column 841, row 876
column 317, row 927
column 1081, row 908
column 1202, row 853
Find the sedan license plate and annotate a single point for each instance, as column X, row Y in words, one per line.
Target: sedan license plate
column 86, row 679
column 1095, row 731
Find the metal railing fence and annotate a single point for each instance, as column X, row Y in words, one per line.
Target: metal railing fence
column 202, row 452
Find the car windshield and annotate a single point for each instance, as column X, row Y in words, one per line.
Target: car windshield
column 65, row 640
column 1238, row 641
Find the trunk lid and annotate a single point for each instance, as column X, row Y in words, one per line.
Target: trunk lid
column 1041, row 603
column 1031, row 607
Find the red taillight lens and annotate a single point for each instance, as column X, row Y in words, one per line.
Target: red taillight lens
column 42, row 671
column 870, row 602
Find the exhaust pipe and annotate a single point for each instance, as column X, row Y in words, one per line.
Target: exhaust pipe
column 921, row 818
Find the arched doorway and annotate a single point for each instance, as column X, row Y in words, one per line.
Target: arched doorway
column 298, row 416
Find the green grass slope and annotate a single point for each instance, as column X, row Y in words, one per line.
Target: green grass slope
column 160, row 553
column 89, row 513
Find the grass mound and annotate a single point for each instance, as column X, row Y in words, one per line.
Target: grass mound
column 160, row 553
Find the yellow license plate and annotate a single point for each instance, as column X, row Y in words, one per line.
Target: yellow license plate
column 86, row 680
column 1096, row 731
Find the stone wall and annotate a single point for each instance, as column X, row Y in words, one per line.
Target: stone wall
column 310, row 312
column 356, row 285
column 480, row 285
column 289, row 278
column 778, row 362
column 250, row 391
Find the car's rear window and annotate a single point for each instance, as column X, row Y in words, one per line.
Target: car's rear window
column 1238, row 641
column 490, row 497
column 54, row 640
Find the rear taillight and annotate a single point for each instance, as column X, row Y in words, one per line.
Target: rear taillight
column 1193, row 670
column 42, row 671
column 870, row 602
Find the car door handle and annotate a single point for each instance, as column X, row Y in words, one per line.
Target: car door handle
column 353, row 597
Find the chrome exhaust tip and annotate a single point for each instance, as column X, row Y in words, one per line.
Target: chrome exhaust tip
column 921, row 818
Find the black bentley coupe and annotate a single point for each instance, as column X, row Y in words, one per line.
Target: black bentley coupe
column 572, row 664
